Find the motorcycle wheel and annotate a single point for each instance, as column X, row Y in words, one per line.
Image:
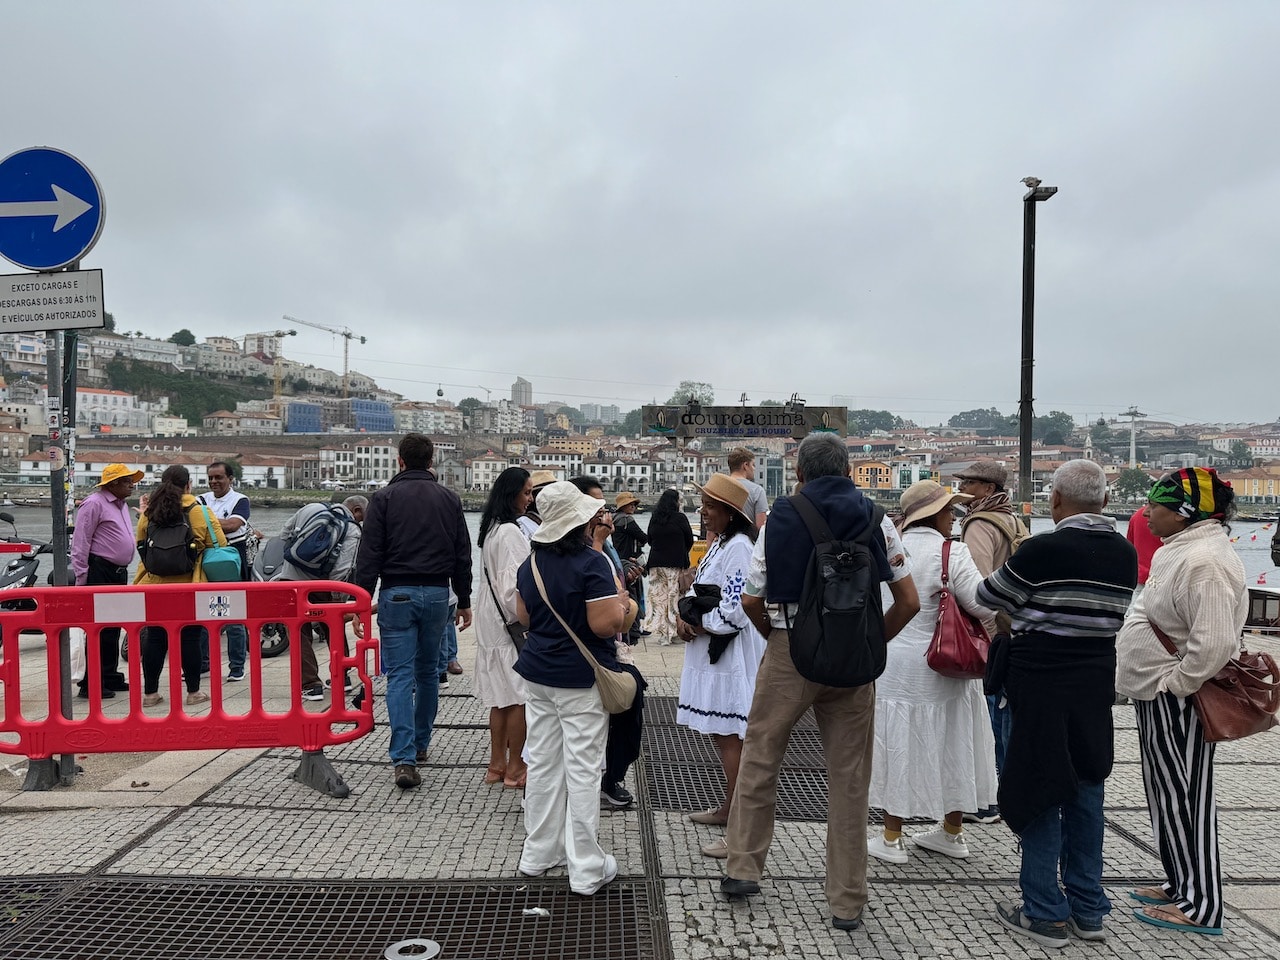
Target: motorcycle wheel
column 275, row 640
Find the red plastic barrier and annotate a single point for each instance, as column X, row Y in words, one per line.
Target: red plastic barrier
column 170, row 726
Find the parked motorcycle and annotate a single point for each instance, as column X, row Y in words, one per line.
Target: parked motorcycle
column 266, row 562
column 24, row 569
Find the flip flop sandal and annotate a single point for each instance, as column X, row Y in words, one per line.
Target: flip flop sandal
column 1184, row 926
column 1143, row 898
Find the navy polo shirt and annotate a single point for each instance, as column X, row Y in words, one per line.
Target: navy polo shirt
column 550, row 657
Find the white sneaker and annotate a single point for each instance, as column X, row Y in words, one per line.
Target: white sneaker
column 610, row 874
column 890, row 851
column 939, row 841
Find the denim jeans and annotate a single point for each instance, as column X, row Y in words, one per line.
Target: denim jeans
column 237, row 646
column 1067, row 837
column 449, row 640
column 410, row 626
column 1001, row 721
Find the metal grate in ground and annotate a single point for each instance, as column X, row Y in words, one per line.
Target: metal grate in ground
column 19, row 899
column 802, row 794
column 664, row 744
column 662, row 710
column 108, row 918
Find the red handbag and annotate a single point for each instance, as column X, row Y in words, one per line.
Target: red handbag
column 1239, row 700
column 960, row 642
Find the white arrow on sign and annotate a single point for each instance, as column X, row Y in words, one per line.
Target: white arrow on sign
column 65, row 206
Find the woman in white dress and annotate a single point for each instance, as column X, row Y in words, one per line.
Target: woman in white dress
column 934, row 750
column 715, row 696
column 503, row 547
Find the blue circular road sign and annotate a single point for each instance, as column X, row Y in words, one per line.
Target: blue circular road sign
column 51, row 209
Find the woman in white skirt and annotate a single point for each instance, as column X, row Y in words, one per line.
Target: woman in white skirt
column 718, row 679
column 934, row 750
column 503, row 547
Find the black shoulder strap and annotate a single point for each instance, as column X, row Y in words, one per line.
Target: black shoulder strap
column 817, row 526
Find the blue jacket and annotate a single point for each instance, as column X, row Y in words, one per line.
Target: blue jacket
column 788, row 546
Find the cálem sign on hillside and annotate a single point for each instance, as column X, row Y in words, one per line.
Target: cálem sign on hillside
column 668, row 420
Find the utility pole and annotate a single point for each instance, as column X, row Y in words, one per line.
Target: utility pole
column 1133, row 414
column 1035, row 194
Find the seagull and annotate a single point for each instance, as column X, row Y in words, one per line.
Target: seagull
column 1031, row 182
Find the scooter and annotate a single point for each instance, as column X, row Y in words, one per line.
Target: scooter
column 267, row 563
column 24, row 569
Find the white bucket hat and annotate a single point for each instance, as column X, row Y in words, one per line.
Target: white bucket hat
column 562, row 507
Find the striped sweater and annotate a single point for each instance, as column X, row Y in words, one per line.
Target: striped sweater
column 1074, row 582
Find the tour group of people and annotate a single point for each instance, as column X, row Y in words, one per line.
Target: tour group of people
column 561, row 594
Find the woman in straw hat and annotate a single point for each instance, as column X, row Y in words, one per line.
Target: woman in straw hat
column 503, row 547
column 567, row 723
column 723, row 649
column 934, row 751
column 1196, row 595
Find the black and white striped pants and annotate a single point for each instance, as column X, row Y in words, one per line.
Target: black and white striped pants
column 1177, row 769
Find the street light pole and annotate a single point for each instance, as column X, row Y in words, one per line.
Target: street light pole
column 1035, row 194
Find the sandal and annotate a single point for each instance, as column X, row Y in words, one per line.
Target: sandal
column 516, row 784
column 151, row 699
column 492, row 776
column 1152, row 895
column 197, row 696
column 1171, row 918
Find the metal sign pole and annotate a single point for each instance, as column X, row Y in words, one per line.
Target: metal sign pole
column 58, row 538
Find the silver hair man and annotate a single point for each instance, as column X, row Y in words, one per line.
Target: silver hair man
column 1081, row 482
column 822, row 455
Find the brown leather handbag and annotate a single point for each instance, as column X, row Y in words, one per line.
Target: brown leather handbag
column 1240, row 700
column 960, row 643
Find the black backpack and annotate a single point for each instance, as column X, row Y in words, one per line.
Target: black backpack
column 170, row 549
column 837, row 637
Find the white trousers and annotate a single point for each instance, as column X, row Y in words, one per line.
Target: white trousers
column 567, row 732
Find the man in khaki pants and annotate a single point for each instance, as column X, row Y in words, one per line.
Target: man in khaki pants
column 845, row 715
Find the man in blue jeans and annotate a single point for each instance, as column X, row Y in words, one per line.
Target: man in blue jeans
column 415, row 542
column 1066, row 593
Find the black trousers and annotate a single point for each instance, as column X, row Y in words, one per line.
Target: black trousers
column 102, row 572
column 625, row 730
column 155, row 650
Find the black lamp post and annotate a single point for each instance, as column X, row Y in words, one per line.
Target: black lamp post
column 1035, row 194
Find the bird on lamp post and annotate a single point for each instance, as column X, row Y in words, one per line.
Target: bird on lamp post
column 1031, row 182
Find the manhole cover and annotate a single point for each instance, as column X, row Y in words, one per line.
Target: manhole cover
column 19, row 899
column 665, row 744
column 158, row 919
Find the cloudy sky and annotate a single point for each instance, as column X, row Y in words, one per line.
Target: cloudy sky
column 607, row 198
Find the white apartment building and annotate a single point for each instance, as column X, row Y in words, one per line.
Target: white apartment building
column 483, row 471
column 428, row 418
column 567, row 462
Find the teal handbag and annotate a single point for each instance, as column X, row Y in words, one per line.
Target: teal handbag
column 220, row 564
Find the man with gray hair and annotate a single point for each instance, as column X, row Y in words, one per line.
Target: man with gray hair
column 845, row 715
column 1066, row 593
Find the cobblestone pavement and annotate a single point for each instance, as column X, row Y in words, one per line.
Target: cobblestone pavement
column 238, row 815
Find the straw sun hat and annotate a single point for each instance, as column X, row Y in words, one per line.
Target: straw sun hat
column 728, row 491
column 924, row 498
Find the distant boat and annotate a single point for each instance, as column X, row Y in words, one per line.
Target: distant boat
column 6, row 502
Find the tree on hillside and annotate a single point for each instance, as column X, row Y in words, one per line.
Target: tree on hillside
column 1100, row 432
column 989, row 419
column 704, row 393
column 1240, row 450
column 1132, row 484
column 183, row 338
column 862, row 422
column 630, row 425
column 1054, row 428
column 468, row 406
column 573, row 413
column 108, row 321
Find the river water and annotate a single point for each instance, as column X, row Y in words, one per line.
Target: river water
column 1253, row 542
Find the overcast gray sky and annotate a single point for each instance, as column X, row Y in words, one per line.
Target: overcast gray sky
column 608, row 198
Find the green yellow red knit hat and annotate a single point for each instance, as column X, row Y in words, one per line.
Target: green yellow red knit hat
column 1195, row 493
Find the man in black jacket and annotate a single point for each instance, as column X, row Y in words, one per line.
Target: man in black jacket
column 415, row 541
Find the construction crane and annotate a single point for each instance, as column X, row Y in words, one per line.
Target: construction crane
column 347, row 337
column 277, row 368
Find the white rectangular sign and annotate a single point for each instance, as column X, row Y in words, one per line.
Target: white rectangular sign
column 70, row 300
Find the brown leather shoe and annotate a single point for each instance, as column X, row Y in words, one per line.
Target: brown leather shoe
column 455, row 667
column 407, row 776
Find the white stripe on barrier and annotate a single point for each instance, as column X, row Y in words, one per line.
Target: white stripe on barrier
column 119, row 608
column 220, row 605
